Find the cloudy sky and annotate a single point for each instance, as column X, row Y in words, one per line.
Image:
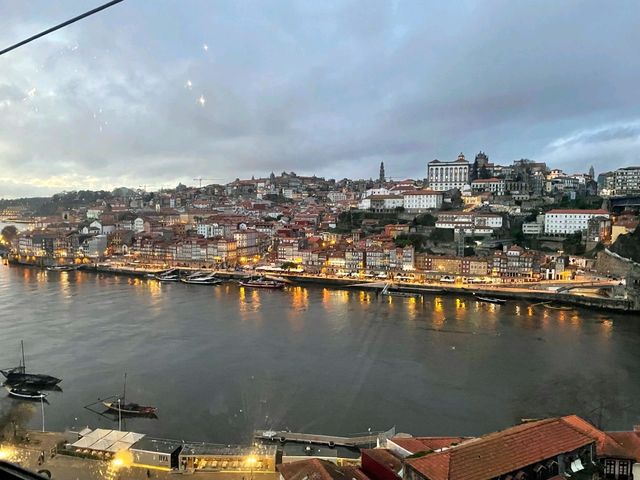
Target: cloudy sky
column 155, row 92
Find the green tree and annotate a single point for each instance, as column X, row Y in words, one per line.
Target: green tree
column 426, row 220
column 573, row 244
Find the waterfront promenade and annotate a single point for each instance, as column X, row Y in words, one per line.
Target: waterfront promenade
column 583, row 292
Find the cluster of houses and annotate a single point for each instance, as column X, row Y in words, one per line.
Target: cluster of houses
column 291, row 219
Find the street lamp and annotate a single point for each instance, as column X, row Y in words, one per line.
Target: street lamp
column 251, row 461
column 119, row 416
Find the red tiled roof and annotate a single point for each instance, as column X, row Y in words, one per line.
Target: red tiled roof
column 590, row 212
column 502, row 452
column 422, row 192
column 420, row 444
column 487, row 180
column 316, row 469
column 606, row 445
column 383, row 457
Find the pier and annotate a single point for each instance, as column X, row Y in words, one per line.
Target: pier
column 330, row 440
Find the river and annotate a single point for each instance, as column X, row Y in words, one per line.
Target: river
column 220, row 361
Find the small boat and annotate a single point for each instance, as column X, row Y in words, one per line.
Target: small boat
column 558, row 307
column 62, row 268
column 25, row 393
column 172, row 275
column 386, row 291
column 130, row 408
column 498, row 301
column 262, row 283
column 122, row 407
column 17, row 376
column 201, row 278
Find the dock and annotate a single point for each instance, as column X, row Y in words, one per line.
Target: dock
column 330, row 440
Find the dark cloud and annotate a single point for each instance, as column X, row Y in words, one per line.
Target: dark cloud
column 331, row 88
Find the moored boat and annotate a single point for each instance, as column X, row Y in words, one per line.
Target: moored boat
column 122, row 407
column 558, row 307
column 201, row 278
column 172, row 275
column 63, row 268
column 130, row 408
column 25, row 393
column 498, row 301
column 18, row 375
column 262, row 283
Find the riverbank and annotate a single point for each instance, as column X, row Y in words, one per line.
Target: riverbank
column 541, row 292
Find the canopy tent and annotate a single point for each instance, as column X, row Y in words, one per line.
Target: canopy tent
column 104, row 440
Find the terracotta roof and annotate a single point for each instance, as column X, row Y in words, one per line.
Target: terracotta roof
column 422, row 192
column 316, row 469
column 421, row 444
column 606, row 444
column 589, row 212
column 487, row 180
column 502, row 452
column 383, row 457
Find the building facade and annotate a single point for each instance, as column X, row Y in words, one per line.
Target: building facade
column 443, row 176
column 568, row 222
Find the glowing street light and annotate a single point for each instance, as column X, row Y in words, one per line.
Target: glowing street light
column 251, row 461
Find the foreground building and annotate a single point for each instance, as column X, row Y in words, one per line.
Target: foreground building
column 555, row 448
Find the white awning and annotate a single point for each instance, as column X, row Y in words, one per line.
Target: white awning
column 107, row 440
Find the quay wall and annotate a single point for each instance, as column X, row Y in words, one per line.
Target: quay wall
column 632, row 304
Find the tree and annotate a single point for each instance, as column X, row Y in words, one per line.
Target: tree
column 426, row 220
column 573, row 244
column 474, row 170
column 9, row 233
column 484, row 172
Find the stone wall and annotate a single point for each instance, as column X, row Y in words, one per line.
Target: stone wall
column 611, row 264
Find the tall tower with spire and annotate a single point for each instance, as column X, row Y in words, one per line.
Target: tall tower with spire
column 381, row 180
column 592, row 173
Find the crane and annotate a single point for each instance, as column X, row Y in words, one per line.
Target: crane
column 200, row 179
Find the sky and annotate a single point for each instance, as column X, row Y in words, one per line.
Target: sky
column 156, row 92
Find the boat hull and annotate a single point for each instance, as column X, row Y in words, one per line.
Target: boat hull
column 130, row 409
column 15, row 378
column 272, row 285
column 26, row 394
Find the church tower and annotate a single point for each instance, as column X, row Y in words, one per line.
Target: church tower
column 381, row 180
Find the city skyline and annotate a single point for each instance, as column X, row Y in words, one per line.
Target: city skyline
column 129, row 97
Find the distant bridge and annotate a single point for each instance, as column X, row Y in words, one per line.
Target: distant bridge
column 620, row 203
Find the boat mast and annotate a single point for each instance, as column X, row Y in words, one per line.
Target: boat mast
column 24, row 365
column 124, row 390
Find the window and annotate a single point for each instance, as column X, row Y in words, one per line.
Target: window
column 610, row 467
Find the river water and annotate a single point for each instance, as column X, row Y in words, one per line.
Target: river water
column 221, row 361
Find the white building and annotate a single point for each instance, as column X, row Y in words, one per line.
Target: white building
column 422, row 200
column 95, row 247
column 336, row 196
column 443, row 176
column 376, row 191
column 493, row 185
column 471, row 222
column 532, row 228
column 385, row 203
column 138, row 225
column 567, row 222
